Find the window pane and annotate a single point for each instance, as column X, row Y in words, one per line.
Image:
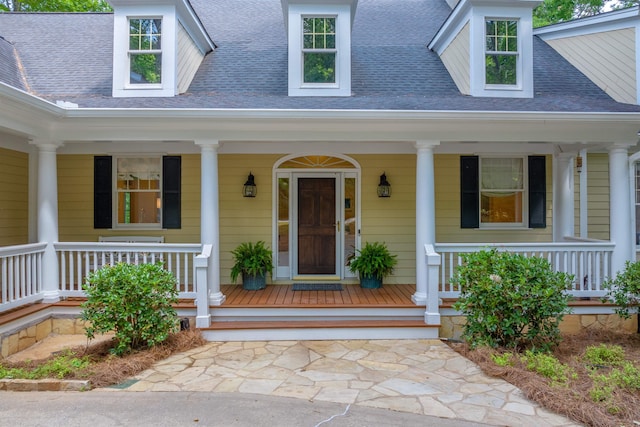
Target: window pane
column 501, row 207
column 145, row 34
column 138, row 208
column 145, row 68
column 138, row 185
column 501, row 69
column 350, row 223
column 502, row 174
column 283, row 222
column 319, row 67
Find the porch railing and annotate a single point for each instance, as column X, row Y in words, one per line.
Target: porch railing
column 77, row 260
column 21, row 275
column 589, row 261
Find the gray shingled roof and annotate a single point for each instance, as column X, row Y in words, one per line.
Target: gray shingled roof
column 9, row 66
column 391, row 66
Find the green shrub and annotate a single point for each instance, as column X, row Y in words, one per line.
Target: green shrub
column 134, row 301
column 510, row 300
column 504, row 359
column 624, row 290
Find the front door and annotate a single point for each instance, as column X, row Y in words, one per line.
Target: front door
column 317, row 226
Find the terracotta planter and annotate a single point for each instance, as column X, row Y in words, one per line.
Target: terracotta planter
column 370, row 282
column 253, row 283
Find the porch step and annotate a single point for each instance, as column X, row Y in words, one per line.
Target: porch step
column 318, row 330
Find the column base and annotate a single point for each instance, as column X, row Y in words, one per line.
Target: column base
column 419, row 298
column 217, row 299
column 50, row 297
column 432, row 318
column 203, row 321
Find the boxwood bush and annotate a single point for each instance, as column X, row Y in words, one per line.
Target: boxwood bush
column 134, row 302
column 510, row 300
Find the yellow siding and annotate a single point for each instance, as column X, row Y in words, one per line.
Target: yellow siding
column 447, row 177
column 243, row 219
column 391, row 220
column 456, row 59
column 607, row 58
column 189, row 59
column 14, row 197
column 75, row 203
column 598, row 196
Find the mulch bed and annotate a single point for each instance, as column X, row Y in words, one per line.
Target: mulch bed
column 571, row 400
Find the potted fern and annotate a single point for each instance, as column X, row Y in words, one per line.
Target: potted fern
column 372, row 263
column 252, row 261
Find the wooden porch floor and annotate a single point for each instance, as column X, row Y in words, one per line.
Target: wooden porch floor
column 397, row 296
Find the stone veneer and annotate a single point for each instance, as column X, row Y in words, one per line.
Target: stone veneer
column 451, row 326
column 18, row 341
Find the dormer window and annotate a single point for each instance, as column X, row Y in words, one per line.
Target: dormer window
column 319, row 49
column 501, row 52
column 157, row 47
column 319, row 38
column 487, row 47
column 145, row 51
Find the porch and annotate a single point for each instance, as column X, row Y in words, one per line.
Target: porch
column 279, row 312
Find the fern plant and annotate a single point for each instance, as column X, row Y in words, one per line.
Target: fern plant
column 253, row 259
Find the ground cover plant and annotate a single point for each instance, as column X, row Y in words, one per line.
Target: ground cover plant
column 592, row 377
column 98, row 364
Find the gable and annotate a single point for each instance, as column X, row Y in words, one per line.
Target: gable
column 607, row 58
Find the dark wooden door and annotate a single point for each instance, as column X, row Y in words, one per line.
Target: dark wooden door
column 316, row 226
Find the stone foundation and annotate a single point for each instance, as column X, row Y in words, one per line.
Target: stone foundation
column 15, row 342
column 451, row 326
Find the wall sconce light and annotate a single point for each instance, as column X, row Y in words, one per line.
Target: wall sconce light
column 250, row 189
column 384, row 188
column 579, row 163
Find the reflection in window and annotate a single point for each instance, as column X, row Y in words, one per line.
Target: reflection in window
column 501, row 47
column 319, row 49
column 350, row 223
column 145, row 51
column 138, row 190
column 283, row 222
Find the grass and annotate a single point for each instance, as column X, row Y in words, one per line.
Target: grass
column 96, row 364
column 592, row 378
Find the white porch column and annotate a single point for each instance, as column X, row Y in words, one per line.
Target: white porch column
column 563, row 196
column 584, row 196
column 48, row 217
column 210, row 215
column 425, row 218
column 620, row 229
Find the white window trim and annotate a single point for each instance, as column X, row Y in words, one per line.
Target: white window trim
column 114, row 214
column 121, row 85
column 524, row 68
column 342, row 85
column 525, row 196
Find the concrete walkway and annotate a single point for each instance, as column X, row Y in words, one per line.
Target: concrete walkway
column 422, row 377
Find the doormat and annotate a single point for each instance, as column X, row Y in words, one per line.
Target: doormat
column 317, row 287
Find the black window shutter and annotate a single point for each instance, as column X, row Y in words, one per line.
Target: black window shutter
column 102, row 195
column 537, row 192
column 171, row 187
column 469, row 192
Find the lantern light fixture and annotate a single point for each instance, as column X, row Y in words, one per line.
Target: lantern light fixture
column 250, row 189
column 384, row 188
